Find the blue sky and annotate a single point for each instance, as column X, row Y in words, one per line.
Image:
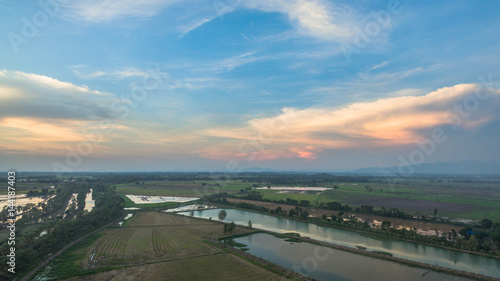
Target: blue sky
column 202, row 85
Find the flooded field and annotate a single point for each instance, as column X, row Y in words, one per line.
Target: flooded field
column 295, row 188
column 89, row 203
column 128, row 216
column 22, row 200
column 194, row 207
column 144, row 199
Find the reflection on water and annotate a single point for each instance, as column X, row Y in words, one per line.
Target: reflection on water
column 22, row 200
column 89, row 203
column 407, row 250
column 327, row 264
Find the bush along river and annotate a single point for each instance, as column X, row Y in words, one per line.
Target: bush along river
column 400, row 249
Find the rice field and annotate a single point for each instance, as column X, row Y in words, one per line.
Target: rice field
column 152, row 237
column 156, row 246
column 223, row 266
column 183, row 188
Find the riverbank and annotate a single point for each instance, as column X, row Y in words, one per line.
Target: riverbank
column 259, row 261
column 377, row 255
column 463, row 268
column 369, row 233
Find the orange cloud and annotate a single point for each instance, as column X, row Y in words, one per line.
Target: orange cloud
column 385, row 122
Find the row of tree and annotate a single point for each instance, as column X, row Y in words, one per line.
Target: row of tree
column 33, row 248
column 480, row 238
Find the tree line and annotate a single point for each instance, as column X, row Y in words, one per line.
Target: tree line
column 32, row 248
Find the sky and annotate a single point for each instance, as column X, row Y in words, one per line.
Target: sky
column 230, row 84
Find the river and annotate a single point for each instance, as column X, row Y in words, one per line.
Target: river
column 402, row 249
column 325, row 264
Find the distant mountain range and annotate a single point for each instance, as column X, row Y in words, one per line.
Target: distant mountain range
column 462, row 167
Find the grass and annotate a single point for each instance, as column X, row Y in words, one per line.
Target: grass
column 223, row 266
column 4, row 191
column 163, row 245
column 69, row 263
column 475, row 200
column 182, row 188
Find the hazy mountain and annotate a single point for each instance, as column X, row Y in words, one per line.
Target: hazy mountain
column 461, row 167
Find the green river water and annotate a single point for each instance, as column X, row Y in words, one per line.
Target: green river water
column 271, row 248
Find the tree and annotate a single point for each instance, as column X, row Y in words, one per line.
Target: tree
column 486, row 224
column 386, row 225
column 304, row 215
column 250, row 224
column 222, row 215
column 435, row 212
column 225, row 227
column 230, row 227
column 454, row 234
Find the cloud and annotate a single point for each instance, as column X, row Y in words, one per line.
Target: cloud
column 380, row 65
column 124, row 73
column 96, row 11
column 46, row 111
column 319, row 19
column 397, row 75
column 385, row 122
column 168, row 81
column 314, row 18
column 186, row 28
column 39, row 96
column 311, row 18
column 231, row 63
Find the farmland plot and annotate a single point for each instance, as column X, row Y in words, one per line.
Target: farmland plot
column 151, row 237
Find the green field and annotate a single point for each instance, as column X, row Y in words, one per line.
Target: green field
column 455, row 200
column 156, row 246
column 221, row 266
column 22, row 187
column 166, row 205
column 477, row 199
column 182, row 188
